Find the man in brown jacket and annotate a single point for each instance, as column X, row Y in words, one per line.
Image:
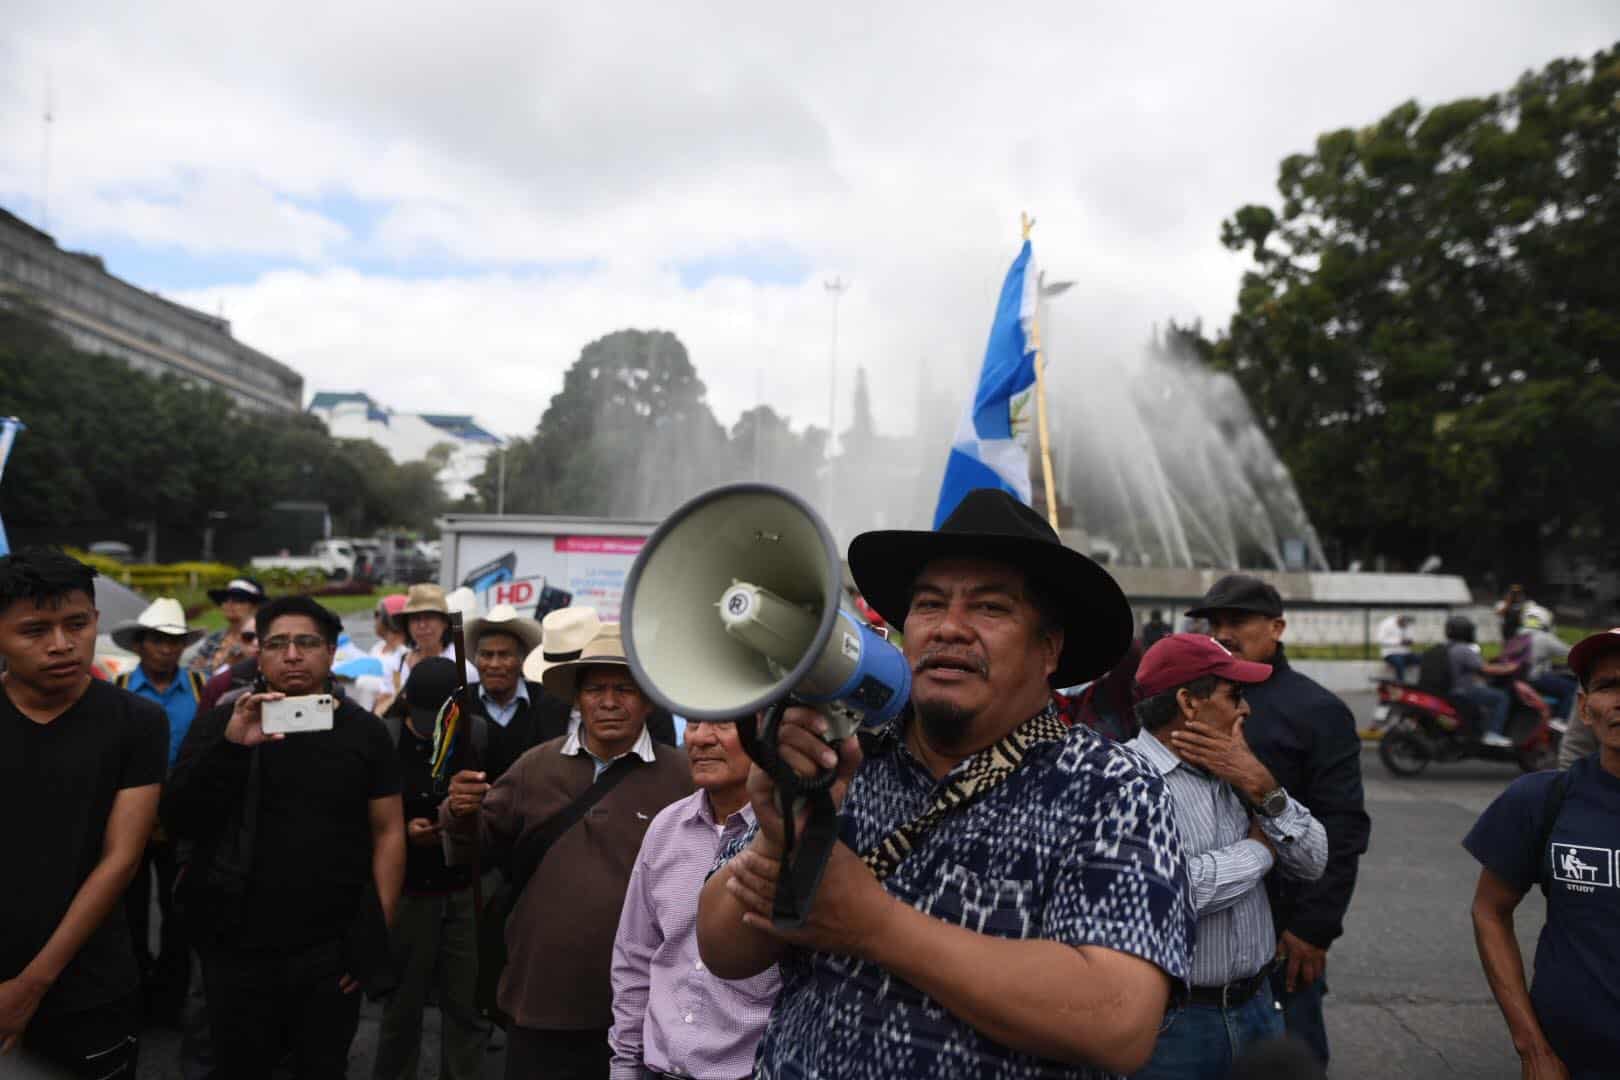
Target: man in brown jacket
column 559, row 938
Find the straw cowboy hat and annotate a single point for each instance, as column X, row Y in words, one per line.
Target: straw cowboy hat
column 561, row 680
column 991, row 524
column 422, row 598
column 163, row 616
column 242, row 588
column 565, row 632
column 463, row 600
column 504, row 619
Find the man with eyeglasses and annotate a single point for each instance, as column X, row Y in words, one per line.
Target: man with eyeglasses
column 672, row 1016
column 298, row 856
column 559, row 937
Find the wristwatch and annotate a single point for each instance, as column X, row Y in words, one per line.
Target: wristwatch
column 1273, row 803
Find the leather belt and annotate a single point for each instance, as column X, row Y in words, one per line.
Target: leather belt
column 1235, row 993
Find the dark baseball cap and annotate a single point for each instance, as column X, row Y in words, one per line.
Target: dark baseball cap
column 1240, row 592
column 430, row 684
column 1587, row 651
column 1179, row 659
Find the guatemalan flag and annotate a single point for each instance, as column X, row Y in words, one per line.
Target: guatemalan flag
column 991, row 449
column 9, row 426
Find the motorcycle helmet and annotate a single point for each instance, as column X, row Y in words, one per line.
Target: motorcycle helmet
column 1536, row 617
column 1459, row 628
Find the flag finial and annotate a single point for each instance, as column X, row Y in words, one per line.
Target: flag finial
column 1027, row 222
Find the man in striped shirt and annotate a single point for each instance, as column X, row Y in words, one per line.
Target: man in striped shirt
column 1236, row 823
column 671, row 1015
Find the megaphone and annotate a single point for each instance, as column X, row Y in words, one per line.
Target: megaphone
column 734, row 607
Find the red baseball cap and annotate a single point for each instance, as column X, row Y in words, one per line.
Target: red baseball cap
column 1178, row 659
column 1587, row 651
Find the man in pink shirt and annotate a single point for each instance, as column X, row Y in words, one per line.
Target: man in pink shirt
column 671, row 1015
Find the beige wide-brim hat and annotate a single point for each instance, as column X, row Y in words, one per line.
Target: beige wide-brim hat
column 504, row 619
column 564, row 633
column 163, row 616
column 606, row 648
column 420, row 598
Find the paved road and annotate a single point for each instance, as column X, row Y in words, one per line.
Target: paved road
column 1407, row 995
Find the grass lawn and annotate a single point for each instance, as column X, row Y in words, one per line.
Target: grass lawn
column 210, row 617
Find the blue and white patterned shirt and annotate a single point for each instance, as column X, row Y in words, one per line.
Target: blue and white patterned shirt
column 1079, row 845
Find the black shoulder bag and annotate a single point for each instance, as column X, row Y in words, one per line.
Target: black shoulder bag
column 525, row 860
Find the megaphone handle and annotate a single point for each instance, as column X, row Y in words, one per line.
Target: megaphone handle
column 796, row 887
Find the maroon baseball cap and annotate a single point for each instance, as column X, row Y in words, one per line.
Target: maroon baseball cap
column 1178, row 659
column 1587, row 651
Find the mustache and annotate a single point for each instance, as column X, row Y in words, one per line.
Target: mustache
column 937, row 657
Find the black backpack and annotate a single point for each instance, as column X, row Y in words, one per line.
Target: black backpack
column 1434, row 670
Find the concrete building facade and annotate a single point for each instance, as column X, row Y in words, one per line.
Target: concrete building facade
column 103, row 314
column 409, row 436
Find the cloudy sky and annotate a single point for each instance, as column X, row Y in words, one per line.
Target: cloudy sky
column 441, row 204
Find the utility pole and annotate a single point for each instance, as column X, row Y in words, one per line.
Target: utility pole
column 837, row 287
column 45, row 161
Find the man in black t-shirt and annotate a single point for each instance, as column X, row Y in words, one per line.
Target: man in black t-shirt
column 299, row 853
column 81, row 763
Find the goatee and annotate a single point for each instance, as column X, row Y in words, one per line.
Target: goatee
column 944, row 726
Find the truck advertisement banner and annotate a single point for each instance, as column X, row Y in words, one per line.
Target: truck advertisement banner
column 540, row 573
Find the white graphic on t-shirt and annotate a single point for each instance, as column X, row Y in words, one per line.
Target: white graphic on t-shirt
column 1580, row 865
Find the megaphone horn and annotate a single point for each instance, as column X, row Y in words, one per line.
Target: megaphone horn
column 733, row 607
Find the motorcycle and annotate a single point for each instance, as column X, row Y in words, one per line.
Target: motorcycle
column 1421, row 727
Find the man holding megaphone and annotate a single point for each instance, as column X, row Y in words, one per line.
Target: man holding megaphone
column 1007, row 896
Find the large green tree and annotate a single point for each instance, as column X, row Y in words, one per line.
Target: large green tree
column 109, row 449
column 1431, row 328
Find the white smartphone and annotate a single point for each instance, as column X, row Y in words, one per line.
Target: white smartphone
column 311, row 712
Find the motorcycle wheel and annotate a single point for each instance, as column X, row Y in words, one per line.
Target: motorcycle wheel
column 1403, row 752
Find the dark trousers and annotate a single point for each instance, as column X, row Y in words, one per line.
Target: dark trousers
column 164, row 977
column 1200, row 1042
column 263, row 1000
column 97, row 1043
column 1302, row 1011
column 434, row 945
column 532, row 1054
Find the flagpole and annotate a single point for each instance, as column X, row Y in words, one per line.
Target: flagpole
column 1040, row 399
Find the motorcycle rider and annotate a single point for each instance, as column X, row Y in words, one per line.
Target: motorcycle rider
column 1469, row 672
column 1546, row 650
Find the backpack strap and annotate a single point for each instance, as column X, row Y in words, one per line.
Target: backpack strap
column 195, row 680
column 121, row 680
column 1551, row 807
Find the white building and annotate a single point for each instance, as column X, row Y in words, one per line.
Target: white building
column 409, row 436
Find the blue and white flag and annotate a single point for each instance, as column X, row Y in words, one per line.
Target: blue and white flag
column 991, row 449
column 9, row 426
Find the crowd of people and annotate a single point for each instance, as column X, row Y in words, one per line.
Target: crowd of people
column 1145, row 879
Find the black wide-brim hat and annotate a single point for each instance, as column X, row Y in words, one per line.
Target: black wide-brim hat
column 991, row 524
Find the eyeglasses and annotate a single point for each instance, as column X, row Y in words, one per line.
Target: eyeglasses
column 249, row 636
column 305, row 642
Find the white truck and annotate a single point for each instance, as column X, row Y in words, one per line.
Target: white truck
column 539, row 563
column 332, row 558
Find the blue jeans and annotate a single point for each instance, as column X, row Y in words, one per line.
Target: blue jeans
column 1401, row 661
column 1559, row 687
column 1302, row 1011
column 1493, row 706
column 1200, row 1042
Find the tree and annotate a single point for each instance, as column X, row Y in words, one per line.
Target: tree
column 109, row 449
column 1432, row 288
column 629, row 434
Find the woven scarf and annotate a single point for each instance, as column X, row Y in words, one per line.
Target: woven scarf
column 978, row 776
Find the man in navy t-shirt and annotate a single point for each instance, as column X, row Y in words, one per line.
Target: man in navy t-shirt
column 1568, row 841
